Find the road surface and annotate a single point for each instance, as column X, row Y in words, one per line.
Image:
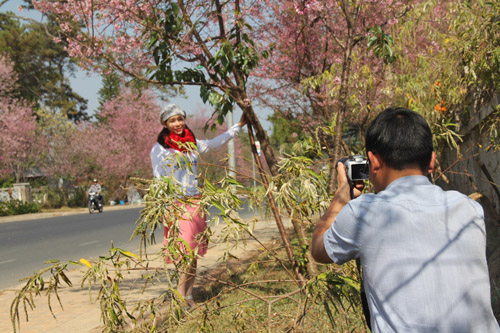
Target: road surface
column 25, row 245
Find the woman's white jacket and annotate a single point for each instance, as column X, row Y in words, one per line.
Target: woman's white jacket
column 183, row 165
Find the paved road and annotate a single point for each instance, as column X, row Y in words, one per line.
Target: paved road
column 25, row 245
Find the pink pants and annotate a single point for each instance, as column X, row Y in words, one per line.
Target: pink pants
column 191, row 224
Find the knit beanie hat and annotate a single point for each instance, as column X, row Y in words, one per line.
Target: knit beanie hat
column 170, row 111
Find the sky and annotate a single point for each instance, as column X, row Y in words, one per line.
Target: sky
column 87, row 84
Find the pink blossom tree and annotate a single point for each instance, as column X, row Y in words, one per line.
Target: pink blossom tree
column 115, row 148
column 329, row 64
column 153, row 40
column 21, row 146
column 126, row 133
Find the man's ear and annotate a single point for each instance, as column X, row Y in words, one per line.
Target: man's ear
column 432, row 163
column 375, row 162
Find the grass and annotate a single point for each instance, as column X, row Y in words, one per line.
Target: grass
column 257, row 295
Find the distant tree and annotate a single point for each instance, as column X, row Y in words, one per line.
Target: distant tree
column 114, row 81
column 71, row 154
column 113, row 148
column 286, row 129
column 57, row 128
column 110, row 88
column 42, row 66
column 116, row 147
column 21, row 146
column 125, row 137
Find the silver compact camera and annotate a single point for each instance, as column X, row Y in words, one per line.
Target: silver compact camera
column 356, row 166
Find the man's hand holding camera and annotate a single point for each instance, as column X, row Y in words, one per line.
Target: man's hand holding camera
column 351, row 173
column 347, row 189
column 350, row 184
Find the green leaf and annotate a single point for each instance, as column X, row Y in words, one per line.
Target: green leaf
column 52, row 261
column 233, row 181
column 112, row 315
column 204, row 93
column 129, row 254
column 65, row 278
column 218, row 206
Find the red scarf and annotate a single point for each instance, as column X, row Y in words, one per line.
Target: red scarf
column 173, row 140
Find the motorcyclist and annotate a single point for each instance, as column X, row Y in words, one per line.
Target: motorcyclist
column 96, row 187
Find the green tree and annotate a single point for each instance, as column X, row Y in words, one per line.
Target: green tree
column 113, row 82
column 286, row 130
column 110, row 89
column 42, row 66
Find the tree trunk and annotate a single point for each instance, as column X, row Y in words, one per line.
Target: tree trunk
column 301, row 236
column 342, row 98
column 274, row 209
column 272, row 162
column 261, row 135
column 332, row 181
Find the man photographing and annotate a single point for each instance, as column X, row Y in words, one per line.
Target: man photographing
column 423, row 250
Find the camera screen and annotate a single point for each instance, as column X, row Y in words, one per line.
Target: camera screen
column 359, row 171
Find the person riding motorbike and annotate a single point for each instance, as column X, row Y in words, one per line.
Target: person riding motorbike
column 96, row 188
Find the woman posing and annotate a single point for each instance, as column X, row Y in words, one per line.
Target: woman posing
column 176, row 155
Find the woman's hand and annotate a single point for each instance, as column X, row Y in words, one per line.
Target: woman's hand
column 243, row 120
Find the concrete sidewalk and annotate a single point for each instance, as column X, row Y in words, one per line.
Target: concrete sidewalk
column 80, row 314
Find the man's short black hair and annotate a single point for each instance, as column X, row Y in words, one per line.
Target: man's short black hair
column 402, row 138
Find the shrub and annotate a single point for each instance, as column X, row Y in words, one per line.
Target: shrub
column 17, row 207
column 78, row 198
column 55, row 198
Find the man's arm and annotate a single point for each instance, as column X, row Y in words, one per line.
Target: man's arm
column 340, row 199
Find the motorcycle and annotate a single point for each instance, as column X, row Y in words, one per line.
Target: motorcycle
column 94, row 203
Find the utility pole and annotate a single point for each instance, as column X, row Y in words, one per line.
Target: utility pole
column 253, row 173
column 230, row 147
column 229, row 118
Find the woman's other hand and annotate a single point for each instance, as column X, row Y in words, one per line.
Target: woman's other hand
column 243, row 120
